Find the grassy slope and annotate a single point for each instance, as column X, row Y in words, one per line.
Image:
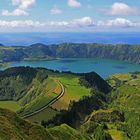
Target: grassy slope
column 44, row 93
column 104, row 124
column 73, row 90
column 12, row 105
column 46, row 114
column 35, row 94
column 117, row 135
column 64, row 132
column 127, row 99
column 120, row 119
column 13, row 127
column 38, row 94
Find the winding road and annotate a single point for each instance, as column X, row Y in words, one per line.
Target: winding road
column 48, row 104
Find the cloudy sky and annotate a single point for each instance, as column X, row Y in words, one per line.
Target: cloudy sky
column 69, row 15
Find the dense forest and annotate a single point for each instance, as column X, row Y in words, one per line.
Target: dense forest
column 124, row 52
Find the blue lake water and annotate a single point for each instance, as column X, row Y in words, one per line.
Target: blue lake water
column 55, row 38
column 103, row 67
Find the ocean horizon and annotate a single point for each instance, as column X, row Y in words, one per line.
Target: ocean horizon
column 24, row 38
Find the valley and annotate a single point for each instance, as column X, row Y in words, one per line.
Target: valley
column 74, row 57
column 69, row 105
column 70, row 70
column 47, row 91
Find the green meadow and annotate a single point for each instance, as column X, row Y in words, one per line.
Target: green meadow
column 12, row 105
column 35, row 94
column 46, row 114
column 73, row 90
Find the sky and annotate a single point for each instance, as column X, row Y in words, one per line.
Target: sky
column 69, row 15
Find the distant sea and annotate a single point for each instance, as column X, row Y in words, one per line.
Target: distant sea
column 56, row 38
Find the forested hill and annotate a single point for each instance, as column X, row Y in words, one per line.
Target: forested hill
column 13, row 127
column 124, row 52
column 110, row 112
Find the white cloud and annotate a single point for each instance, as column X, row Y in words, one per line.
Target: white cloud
column 20, row 24
column 16, row 12
column 74, row 3
column 119, row 22
column 56, row 11
column 121, row 9
column 75, row 24
column 85, row 21
column 23, row 4
column 82, row 22
column 26, row 4
column 22, row 7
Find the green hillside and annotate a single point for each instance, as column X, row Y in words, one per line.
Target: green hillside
column 71, row 50
column 14, row 128
column 78, row 110
column 126, row 98
column 107, row 116
column 119, row 120
column 26, row 90
column 90, row 109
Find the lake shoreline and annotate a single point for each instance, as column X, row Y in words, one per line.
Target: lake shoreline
column 103, row 67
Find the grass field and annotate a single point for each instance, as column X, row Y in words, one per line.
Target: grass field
column 118, row 135
column 38, row 94
column 12, row 105
column 73, row 91
column 64, row 132
column 46, row 114
column 44, row 94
